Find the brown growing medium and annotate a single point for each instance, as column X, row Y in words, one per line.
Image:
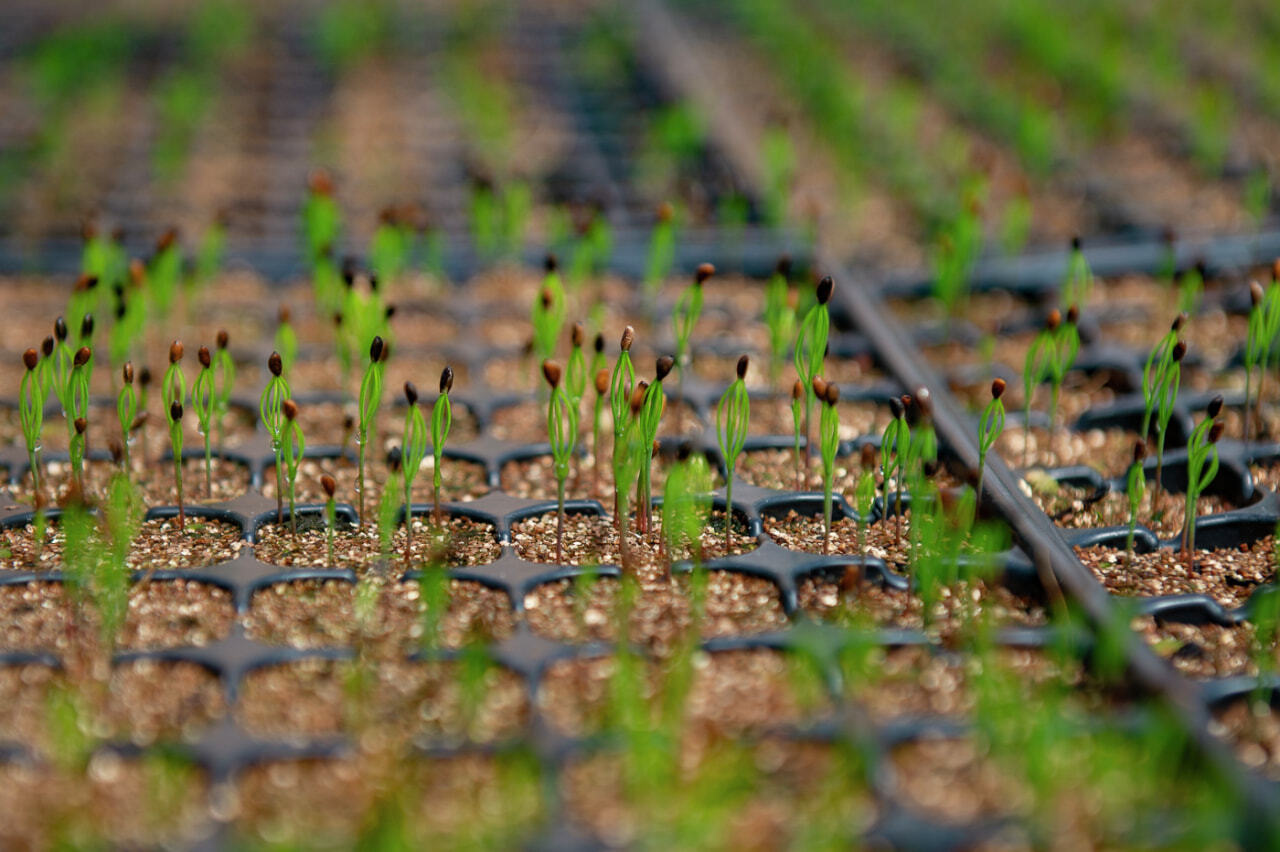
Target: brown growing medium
column 852, row 601
column 1074, row 508
column 1228, row 575
column 887, row 539
column 1204, row 650
column 465, row 542
column 395, row 698
column 160, row 546
column 790, row 791
column 1109, row 451
column 857, row 418
column 736, row 605
column 535, row 478
column 230, row 480
column 526, row 422
column 1253, row 730
column 460, row 481
column 732, row 693
column 123, row 801
column 953, row 780
column 323, row 425
column 450, row 799
column 593, row 540
column 321, row 613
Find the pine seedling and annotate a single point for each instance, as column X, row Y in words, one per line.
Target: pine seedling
column 1202, row 467
column 271, row 410
column 1066, row 345
column 575, row 377
column 1038, row 367
column 223, row 380
column 829, row 443
column 293, row 445
column 1155, row 371
column 203, row 398
column 990, row 425
column 1270, row 331
column 779, row 316
column 895, row 442
column 31, row 400
column 389, row 505
column 562, row 433
column 958, row 247
column 732, row 414
column 684, row 318
column 1255, row 349
column 1166, row 397
column 1135, row 490
column 686, row 503
column 330, row 486
column 1191, row 288
column 163, row 274
column 86, row 342
column 60, row 371
column 797, row 421
column 286, row 339
column 864, row 495
column 414, row 449
column 321, row 219
column 174, row 415
column 441, row 420
column 621, row 383
column 548, row 312
column 600, row 370
column 370, row 399
column 1078, row 284
column 45, row 368
column 126, row 412
column 78, row 393
column 389, row 248
column 662, row 252
column 650, row 416
column 810, row 350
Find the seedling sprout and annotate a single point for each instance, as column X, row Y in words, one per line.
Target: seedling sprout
column 1202, row 467
column 293, row 445
column 414, row 448
column 205, row 402
column 441, row 421
column 270, row 409
column 810, row 350
column 990, row 425
column 370, row 399
column 829, row 442
column 562, row 433
column 31, row 399
column 1135, row 490
column 732, row 414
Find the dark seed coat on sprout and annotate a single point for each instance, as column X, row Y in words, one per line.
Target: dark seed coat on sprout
column 275, row 364
column 997, row 388
column 375, row 349
column 663, row 367
column 825, row 288
column 81, row 424
column 223, row 338
column 832, row 395
column 290, row 409
column 30, row 359
column 47, row 346
column 175, row 410
column 175, row 351
column 1179, row 350
column 82, row 356
column 1214, row 408
column 628, row 337
column 1054, row 320
column 446, row 380
column 602, row 382
column 202, row 355
column 797, row 389
column 127, row 372
column 599, row 342
column 410, row 393
column 703, row 272
column 742, row 366
column 551, row 370
column 579, row 334
column 329, row 485
column 1215, row 431
column 60, row 329
column 86, row 325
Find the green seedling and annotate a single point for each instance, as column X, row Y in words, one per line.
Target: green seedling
column 684, row 318
column 1015, row 229
column 562, row 434
column 1166, row 398
column 829, row 443
column 31, row 412
column 895, row 443
column 686, row 503
column 621, row 383
column 271, row 410
column 223, row 381
column 293, row 445
column 1066, row 345
column 1256, row 345
column 1202, row 467
column 732, row 415
column 779, row 316
column 600, row 370
column 164, row 273
column 78, row 392
column 321, row 219
column 330, row 486
column 1191, row 288
column 414, row 449
column 655, row 400
column 864, row 495
column 1135, row 490
column 205, row 401
column 1038, row 367
column 548, row 312
column 1269, row 331
column 286, row 340
column 662, row 252
column 1077, row 287
column 575, row 378
column 390, row 247
column 59, row 372
column 174, row 415
column 959, row 244
column 810, row 350
column 1155, row 371
column 990, row 425
column 441, row 421
column 127, row 414
column 389, row 505
column 84, row 296
column 629, row 452
column 797, row 422
column 370, row 399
